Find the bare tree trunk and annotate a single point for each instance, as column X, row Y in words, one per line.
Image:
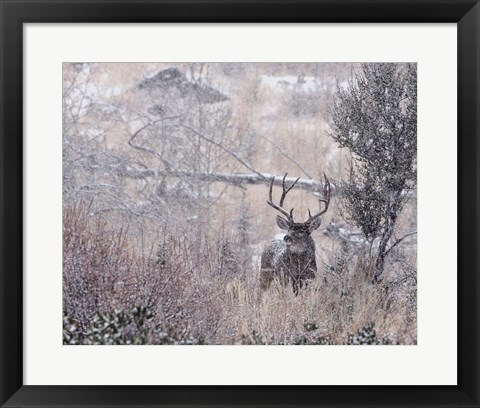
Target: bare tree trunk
column 391, row 219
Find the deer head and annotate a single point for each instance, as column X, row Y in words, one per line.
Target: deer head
column 298, row 232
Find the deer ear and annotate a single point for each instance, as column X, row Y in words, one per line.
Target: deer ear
column 282, row 223
column 314, row 224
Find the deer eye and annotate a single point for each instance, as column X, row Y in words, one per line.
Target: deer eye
column 287, row 238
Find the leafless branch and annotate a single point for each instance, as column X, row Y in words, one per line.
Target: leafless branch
column 399, row 240
column 285, row 154
column 222, row 147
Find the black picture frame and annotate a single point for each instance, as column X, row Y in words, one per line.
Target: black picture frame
column 14, row 13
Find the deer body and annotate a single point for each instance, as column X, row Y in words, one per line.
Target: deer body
column 293, row 259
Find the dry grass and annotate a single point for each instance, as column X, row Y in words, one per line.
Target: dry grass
column 207, row 290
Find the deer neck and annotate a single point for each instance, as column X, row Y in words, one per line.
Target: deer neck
column 300, row 249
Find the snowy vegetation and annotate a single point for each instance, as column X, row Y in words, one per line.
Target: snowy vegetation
column 376, row 119
column 166, row 176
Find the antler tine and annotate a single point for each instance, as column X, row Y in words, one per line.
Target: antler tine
column 271, row 188
column 327, row 192
column 282, row 199
column 272, row 204
column 285, row 191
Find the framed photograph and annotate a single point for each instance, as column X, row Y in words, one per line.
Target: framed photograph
column 236, row 203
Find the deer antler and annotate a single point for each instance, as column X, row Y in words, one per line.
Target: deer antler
column 284, row 194
column 326, row 199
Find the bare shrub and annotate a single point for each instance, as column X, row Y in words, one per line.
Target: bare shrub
column 103, row 271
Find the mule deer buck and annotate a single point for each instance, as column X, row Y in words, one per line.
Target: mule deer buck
column 293, row 259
